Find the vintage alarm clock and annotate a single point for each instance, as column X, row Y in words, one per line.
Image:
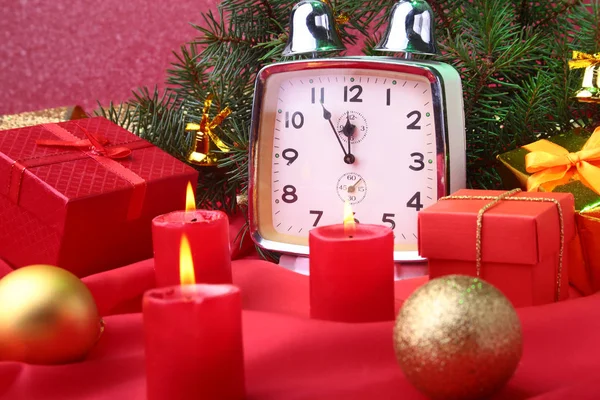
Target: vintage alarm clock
column 384, row 134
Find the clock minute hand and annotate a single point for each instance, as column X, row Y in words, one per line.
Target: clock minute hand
column 348, row 131
column 327, row 116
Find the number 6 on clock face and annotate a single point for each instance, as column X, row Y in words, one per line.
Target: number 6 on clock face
column 385, row 135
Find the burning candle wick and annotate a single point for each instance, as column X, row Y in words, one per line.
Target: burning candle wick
column 349, row 221
column 188, row 292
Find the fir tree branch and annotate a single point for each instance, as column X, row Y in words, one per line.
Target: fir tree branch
column 270, row 13
column 440, row 14
column 562, row 9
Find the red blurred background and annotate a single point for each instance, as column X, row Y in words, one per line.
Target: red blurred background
column 60, row 52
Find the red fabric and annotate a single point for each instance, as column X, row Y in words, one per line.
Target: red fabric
column 291, row 357
column 4, row 268
column 120, row 290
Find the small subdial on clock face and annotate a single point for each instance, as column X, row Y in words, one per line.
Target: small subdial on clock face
column 354, row 124
column 352, row 187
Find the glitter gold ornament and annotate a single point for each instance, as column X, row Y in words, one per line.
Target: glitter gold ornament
column 202, row 154
column 242, row 199
column 341, row 18
column 47, row 316
column 458, row 337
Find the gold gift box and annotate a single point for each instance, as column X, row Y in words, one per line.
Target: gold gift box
column 48, row 116
column 587, row 204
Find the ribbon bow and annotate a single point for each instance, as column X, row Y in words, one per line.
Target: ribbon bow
column 583, row 60
column 206, row 127
column 552, row 165
column 94, row 143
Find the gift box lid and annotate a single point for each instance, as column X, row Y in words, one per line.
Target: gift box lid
column 513, row 172
column 514, row 232
column 44, row 179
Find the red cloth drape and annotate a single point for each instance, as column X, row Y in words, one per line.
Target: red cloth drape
column 291, row 357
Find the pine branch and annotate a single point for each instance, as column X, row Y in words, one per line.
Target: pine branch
column 556, row 11
column 441, row 17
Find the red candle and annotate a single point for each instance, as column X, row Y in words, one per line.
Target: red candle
column 193, row 338
column 208, row 233
column 352, row 273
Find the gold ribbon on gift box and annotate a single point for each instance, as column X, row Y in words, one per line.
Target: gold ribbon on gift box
column 48, row 116
column 552, row 165
column 508, row 196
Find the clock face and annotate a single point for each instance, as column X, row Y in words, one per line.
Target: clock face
column 327, row 136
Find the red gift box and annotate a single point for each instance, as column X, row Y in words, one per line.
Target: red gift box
column 78, row 205
column 520, row 243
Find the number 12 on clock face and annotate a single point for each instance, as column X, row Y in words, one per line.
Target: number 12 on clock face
column 377, row 134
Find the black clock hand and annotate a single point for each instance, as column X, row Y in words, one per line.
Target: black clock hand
column 348, row 131
column 327, row 116
column 349, row 156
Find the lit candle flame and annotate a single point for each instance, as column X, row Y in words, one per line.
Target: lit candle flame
column 349, row 223
column 186, row 263
column 190, row 199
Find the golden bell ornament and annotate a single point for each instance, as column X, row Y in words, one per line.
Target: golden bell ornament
column 47, row 316
column 205, row 141
column 590, row 86
column 458, row 337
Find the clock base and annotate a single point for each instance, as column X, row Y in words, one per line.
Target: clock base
column 300, row 265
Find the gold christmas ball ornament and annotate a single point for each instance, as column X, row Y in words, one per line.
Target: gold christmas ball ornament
column 458, row 337
column 47, row 316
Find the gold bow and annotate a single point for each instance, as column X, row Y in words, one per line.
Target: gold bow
column 552, row 165
column 206, row 127
column 583, row 60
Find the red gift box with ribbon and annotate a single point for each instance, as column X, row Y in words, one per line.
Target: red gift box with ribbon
column 82, row 194
column 522, row 243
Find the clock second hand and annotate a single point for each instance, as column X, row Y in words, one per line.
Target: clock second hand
column 327, row 116
column 352, row 188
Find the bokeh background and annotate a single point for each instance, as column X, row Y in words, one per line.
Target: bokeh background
column 57, row 52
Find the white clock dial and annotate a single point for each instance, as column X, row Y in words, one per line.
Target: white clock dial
column 388, row 119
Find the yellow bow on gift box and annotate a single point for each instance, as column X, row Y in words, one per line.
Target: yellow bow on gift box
column 583, row 60
column 552, row 165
